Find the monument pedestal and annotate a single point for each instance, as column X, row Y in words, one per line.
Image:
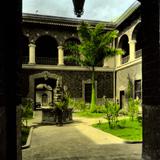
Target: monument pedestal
column 49, row 115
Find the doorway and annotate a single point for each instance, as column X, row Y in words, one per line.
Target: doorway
column 122, row 98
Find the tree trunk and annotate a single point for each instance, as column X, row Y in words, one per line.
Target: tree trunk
column 93, row 96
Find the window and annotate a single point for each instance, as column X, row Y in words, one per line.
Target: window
column 138, row 89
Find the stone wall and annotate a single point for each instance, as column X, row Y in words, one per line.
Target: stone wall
column 135, row 73
column 151, row 79
column 3, row 133
column 60, row 33
column 73, row 80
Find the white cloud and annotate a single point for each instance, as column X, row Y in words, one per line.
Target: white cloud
column 93, row 9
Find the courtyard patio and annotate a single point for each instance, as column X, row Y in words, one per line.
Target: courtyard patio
column 76, row 141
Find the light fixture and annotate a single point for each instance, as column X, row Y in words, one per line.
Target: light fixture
column 78, row 7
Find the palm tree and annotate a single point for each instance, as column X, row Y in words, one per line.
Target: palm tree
column 94, row 47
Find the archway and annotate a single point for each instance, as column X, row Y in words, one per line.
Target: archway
column 123, row 43
column 44, row 91
column 46, row 79
column 137, row 36
column 46, row 50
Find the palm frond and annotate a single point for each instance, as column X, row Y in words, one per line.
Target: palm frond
column 110, row 51
column 84, row 31
column 95, row 45
column 72, row 58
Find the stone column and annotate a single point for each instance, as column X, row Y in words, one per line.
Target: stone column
column 118, row 60
column 132, row 50
column 151, row 79
column 60, row 55
column 32, row 53
column 105, row 62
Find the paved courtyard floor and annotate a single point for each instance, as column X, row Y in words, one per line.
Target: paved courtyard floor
column 77, row 141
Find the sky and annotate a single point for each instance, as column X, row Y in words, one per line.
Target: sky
column 103, row 10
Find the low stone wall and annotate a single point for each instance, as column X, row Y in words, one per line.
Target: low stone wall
column 49, row 115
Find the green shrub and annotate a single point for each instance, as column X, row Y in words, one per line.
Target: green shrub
column 123, row 112
column 25, row 133
column 100, row 109
column 139, row 119
column 78, row 105
column 112, row 112
column 122, row 123
column 26, row 110
column 133, row 108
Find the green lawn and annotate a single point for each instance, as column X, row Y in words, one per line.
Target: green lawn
column 89, row 114
column 126, row 129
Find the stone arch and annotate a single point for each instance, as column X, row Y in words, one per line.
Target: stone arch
column 46, row 50
column 46, row 33
column 45, row 75
column 123, row 43
column 67, row 37
column 137, row 36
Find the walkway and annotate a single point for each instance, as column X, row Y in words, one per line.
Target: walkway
column 77, row 141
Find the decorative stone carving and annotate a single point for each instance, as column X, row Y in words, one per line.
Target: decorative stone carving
column 55, row 114
column 45, row 75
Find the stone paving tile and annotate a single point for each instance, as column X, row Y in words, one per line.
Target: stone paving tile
column 76, row 141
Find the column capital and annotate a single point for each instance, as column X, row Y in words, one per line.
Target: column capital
column 60, row 55
column 132, row 42
column 32, row 45
column 60, row 47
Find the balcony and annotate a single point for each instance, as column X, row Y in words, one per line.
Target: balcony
column 46, row 60
column 125, row 59
column 71, row 63
column 138, row 53
column 52, row 61
column 41, row 60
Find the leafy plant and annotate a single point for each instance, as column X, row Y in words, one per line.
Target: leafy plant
column 112, row 110
column 100, row 109
column 129, row 93
column 24, row 132
column 78, row 105
column 123, row 112
column 133, row 105
column 26, row 110
column 60, row 105
column 94, row 47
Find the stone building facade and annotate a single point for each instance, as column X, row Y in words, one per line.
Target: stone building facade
column 43, row 43
column 150, row 72
column 44, row 38
column 129, row 66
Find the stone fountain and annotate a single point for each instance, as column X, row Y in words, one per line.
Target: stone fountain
column 49, row 114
